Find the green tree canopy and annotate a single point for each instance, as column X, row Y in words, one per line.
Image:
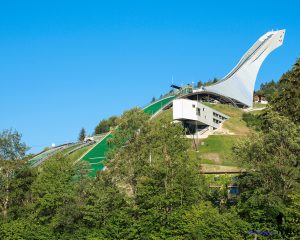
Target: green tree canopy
column 287, row 100
column 82, row 134
column 268, row 89
column 272, row 160
column 105, row 125
column 11, row 146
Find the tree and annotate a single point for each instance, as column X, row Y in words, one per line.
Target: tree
column 16, row 178
column 211, row 82
column 82, row 134
column 154, row 171
column 12, row 150
column 272, row 160
column 11, row 146
column 105, row 125
column 292, row 217
column 287, row 100
column 268, row 89
column 25, row 230
column 199, row 84
column 129, row 124
column 203, row 221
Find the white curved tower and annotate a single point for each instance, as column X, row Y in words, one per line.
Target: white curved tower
column 239, row 83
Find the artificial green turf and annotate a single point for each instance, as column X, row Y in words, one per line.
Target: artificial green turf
column 40, row 156
column 156, row 106
column 97, row 155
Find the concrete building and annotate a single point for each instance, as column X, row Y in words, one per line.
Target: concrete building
column 196, row 116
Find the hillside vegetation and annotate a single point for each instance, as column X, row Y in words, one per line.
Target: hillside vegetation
column 215, row 152
column 235, row 124
column 152, row 188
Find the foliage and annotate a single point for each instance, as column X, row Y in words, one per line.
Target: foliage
column 82, row 134
column 11, row 147
column 12, row 171
column 287, row 101
column 154, row 171
column 252, row 120
column 15, row 181
column 235, row 124
column 272, row 161
column 200, row 84
column 268, row 89
column 53, row 194
column 204, row 221
column 207, row 83
column 292, row 216
column 129, row 124
column 22, row 229
column 105, row 125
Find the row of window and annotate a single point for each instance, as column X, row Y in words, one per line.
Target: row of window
column 218, row 116
column 216, row 121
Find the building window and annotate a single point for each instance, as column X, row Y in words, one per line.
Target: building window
column 198, row 111
column 216, row 121
column 194, row 105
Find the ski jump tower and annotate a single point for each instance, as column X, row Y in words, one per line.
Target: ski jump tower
column 238, row 85
column 235, row 88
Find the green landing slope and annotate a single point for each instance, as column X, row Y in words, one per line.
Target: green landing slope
column 96, row 156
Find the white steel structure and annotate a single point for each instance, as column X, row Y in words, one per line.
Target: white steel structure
column 239, row 83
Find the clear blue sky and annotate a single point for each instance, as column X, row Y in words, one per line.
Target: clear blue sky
column 68, row 64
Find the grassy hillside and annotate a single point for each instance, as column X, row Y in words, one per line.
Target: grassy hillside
column 216, row 150
column 235, row 124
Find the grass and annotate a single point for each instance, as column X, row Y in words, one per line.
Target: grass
column 77, row 154
column 257, row 112
column 167, row 114
column 259, row 105
column 206, row 168
column 235, row 124
column 73, row 156
column 68, row 149
column 216, row 150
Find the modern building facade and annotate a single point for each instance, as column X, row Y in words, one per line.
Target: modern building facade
column 196, row 116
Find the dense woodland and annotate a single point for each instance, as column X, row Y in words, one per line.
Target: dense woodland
column 152, row 189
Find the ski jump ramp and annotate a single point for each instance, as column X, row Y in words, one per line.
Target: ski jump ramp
column 239, row 83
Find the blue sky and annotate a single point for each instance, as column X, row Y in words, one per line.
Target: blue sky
column 68, row 64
